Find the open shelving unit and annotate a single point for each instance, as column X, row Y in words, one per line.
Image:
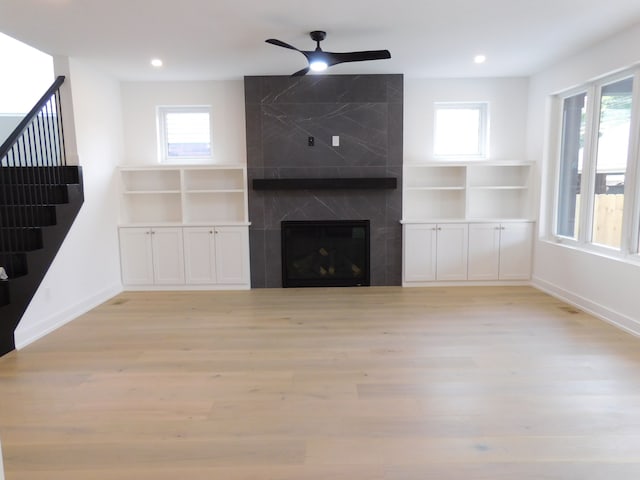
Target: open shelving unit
column 437, row 192
column 467, row 191
column 189, row 195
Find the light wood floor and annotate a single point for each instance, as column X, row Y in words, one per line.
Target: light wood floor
column 353, row 383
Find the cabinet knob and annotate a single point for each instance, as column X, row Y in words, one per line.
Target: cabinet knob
column 210, row 231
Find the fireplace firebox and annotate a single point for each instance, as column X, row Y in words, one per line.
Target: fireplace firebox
column 327, row 253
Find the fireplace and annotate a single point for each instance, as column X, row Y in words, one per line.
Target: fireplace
column 359, row 179
column 329, row 253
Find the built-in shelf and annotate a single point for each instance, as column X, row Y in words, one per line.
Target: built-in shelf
column 352, row 183
column 467, row 191
column 467, row 222
column 183, row 195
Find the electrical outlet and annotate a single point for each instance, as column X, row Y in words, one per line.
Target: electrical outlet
column 335, row 141
column 311, row 141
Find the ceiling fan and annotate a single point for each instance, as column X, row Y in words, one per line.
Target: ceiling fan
column 320, row 60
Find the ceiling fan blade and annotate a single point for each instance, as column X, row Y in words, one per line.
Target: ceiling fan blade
column 300, row 73
column 319, row 60
column 279, row 43
column 335, row 58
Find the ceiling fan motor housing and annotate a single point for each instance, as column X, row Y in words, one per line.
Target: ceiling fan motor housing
column 318, row 35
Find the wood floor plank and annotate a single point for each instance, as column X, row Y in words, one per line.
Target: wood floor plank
column 379, row 383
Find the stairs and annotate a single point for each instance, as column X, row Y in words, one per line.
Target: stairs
column 37, row 208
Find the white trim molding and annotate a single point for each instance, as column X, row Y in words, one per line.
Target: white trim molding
column 32, row 333
column 619, row 320
column 1, row 464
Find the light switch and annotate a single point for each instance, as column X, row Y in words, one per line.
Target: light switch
column 335, row 141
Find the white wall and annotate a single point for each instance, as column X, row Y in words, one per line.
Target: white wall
column 604, row 286
column 86, row 270
column 26, row 75
column 8, row 123
column 139, row 101
column 507, row 99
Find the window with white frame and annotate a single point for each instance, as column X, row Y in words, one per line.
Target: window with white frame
column 570, row 169
column 597, row 156
column 184, row 134
column 461, row 130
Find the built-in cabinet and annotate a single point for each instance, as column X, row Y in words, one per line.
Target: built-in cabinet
column 500, row 251
column 184, row 227
column 435, row 252
column 447, row 252
column 216, row 255
column 152, row 256
column 467, row 222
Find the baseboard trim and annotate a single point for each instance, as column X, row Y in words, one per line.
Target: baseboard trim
column 469, row 283
column 53, row 322
column 606, row 314
column 183, row 288
column 1, row 464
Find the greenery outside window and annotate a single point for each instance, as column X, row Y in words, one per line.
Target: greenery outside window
column 595, row 202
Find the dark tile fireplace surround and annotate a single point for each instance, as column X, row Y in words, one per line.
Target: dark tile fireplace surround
column 358, row 180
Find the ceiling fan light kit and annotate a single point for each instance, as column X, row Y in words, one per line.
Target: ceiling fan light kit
column 319, row 60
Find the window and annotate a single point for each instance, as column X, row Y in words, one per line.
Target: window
column 184, row 134
column 461, row 130
column 571, row 153
column 596, row 155
column 611, row 162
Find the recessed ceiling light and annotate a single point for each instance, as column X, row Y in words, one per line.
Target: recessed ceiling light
column 479, row 59
column 156, row 62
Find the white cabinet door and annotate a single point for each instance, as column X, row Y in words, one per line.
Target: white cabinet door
column 419, row 252
column 484, row 251
column 216, row 255
column 199, row 255
column 516, row 241
column 168, row 256
column 459, row 251
column 232, row 255
column 451, row 257
column 136, row 259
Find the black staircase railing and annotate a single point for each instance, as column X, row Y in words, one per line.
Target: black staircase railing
column 38, row 139
column 37, row 142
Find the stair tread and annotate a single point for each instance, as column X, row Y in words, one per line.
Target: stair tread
column 21, row 229
column 22, row 251
column 14, row 205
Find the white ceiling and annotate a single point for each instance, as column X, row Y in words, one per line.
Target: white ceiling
column 223, row 39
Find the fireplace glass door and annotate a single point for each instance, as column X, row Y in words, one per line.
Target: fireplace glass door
column 331, row 253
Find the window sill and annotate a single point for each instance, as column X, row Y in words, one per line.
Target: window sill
column 187, row 161
column 602, row 252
